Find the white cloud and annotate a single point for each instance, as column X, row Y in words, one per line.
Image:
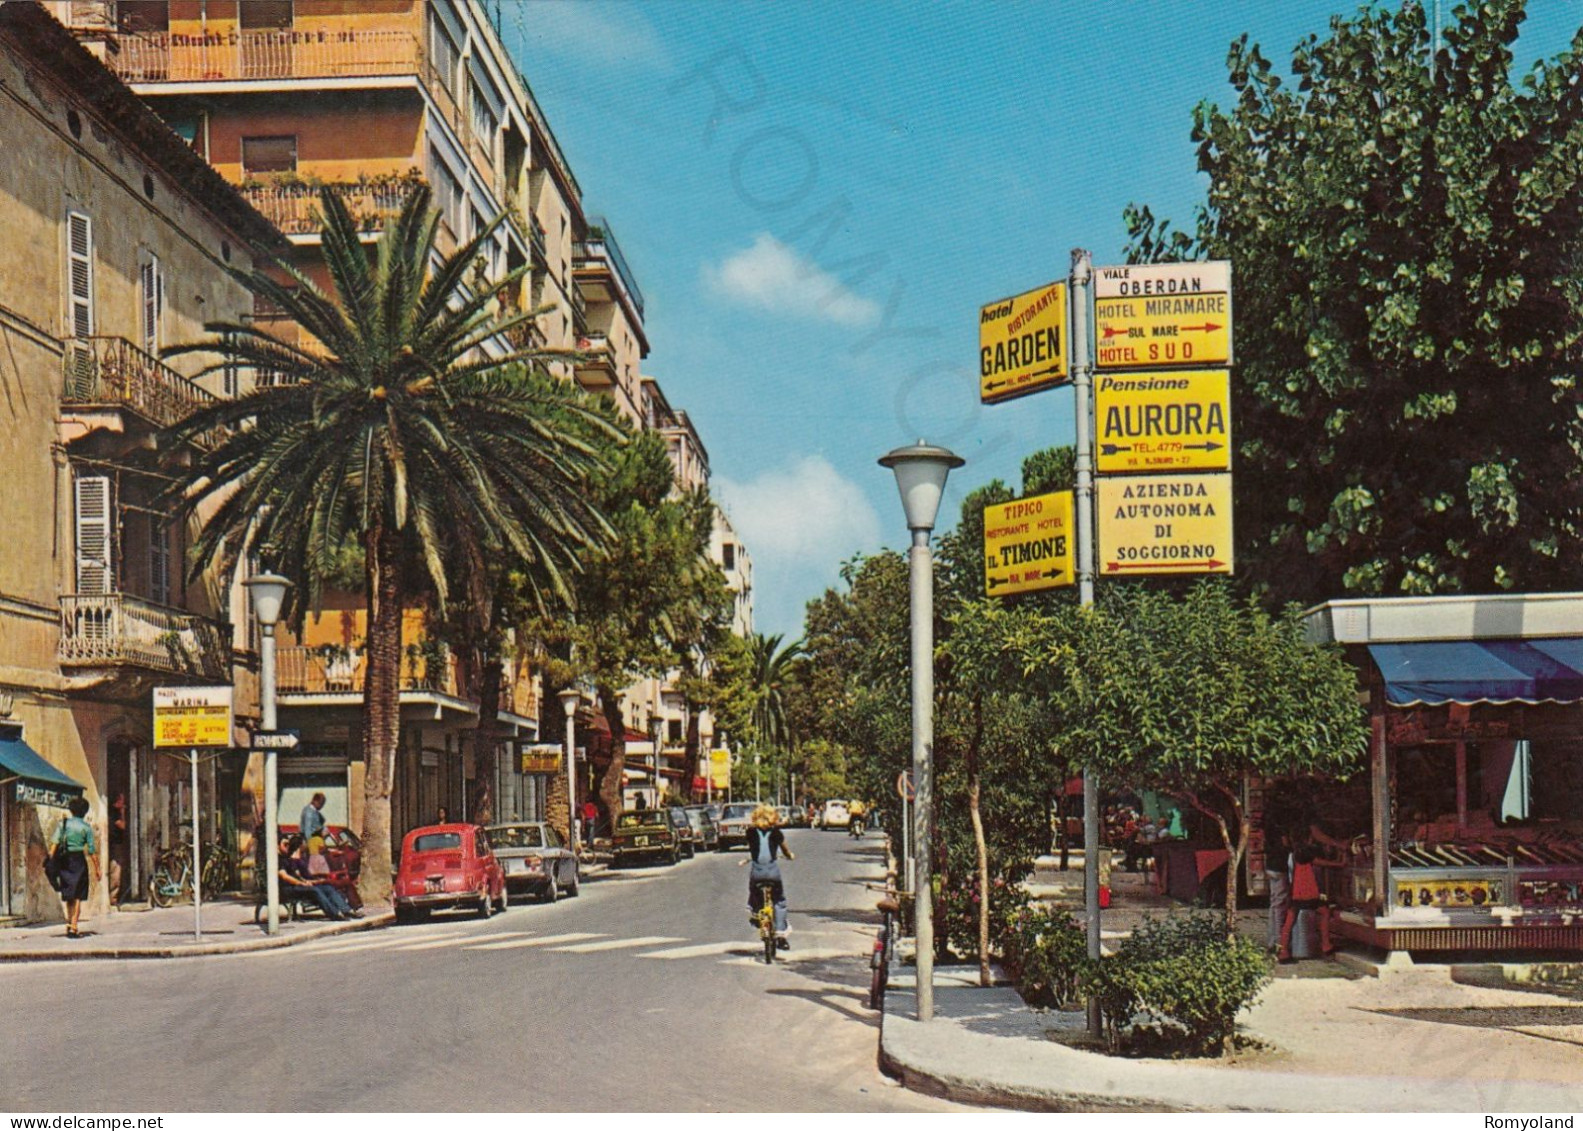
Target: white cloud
column 606, row 33
column 798, row 524
column 771, row 276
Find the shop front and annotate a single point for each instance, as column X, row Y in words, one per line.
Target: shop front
column 27, row 782
column 1471, row 837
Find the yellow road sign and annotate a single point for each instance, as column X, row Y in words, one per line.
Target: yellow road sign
column 1163, row 421
column 1022, row 344
column 1162, row 316
column 540, row 758
column 192, row 716
column 1170, row 524
column 720, row 769
column 1028, row 544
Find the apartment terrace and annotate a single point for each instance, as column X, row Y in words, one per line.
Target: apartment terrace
column 273, row 53
column 110, row 372
column 294, row 207
column 601, row 251
column 103, row 630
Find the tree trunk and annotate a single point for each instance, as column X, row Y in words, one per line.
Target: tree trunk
column 690, row 760
column 381, row 712
column 1235, row 846
column 610, row 783
column 980, row 847
column 486, row 738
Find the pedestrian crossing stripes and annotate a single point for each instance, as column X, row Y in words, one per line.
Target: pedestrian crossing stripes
column 435, row 944
column 702, row 950
column 574, row 936
column 618, row 944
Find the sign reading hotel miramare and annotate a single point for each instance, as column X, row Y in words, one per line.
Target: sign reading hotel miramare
column 192, row 716
column 1177, row 421
column 1028, row 544
column 1165, row 524
column 1022, row 344
column 1162, row 316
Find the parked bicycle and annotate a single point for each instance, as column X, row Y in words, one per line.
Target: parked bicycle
column 171, row 880
column 879, row 963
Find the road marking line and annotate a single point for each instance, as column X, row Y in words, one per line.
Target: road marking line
column 698, row 951
column 435, row 945
column 619, row 944
column 378, row 944
column 485, row 942
column 551, row 940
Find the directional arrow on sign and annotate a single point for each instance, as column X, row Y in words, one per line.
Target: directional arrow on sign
column 1208, row 446
column 1114, row 567
column 1112, row 449
column 1206, row 328
column 1035, row 575
column 1114, row 331
column 276, row 739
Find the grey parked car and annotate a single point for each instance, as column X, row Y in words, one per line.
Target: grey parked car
column 705, row 832
column 533, row 856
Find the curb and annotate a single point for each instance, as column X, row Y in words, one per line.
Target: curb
column 372, row 922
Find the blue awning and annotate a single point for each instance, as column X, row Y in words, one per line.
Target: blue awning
column 30, row 779
column 1481, row 671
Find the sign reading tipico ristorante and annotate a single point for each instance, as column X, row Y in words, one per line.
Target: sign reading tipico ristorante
column 1028, row 544
column 1171, row 524
column 1163, row 421
column 1022, row 344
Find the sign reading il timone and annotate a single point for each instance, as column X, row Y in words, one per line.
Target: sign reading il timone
column 1164, row 524
column 1028, row 544
column 1022, row 344
column 1154, row 422
column 1162, row 315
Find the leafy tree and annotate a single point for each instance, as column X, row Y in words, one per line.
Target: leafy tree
column 392, row 429
column 1190, row 695
column 649, row 598
column 1405, row 243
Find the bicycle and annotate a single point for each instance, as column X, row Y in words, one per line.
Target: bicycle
column 879, row 961
column 766, row 919
column 172, row 876
column 219, row 869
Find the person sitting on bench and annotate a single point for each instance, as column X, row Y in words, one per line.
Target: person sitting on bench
column 295, row 881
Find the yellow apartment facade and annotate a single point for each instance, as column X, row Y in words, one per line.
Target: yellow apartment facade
column 116, row 240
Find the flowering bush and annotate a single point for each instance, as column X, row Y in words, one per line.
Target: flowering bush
column 956, row 913
column 1045, row 952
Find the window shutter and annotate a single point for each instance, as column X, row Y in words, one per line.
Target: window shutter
column 79, row 273
column 158, row 560
column 150, row 286
column 93, row 534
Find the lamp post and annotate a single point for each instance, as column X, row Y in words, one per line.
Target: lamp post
column 570, row 697
column 656, row 724
column 706, row 744
column 921, row 472
column 268, row 593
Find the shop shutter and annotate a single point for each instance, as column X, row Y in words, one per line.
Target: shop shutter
column 79, row 273
column 93, row 534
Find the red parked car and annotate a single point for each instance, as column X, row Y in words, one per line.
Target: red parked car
column 444, row 867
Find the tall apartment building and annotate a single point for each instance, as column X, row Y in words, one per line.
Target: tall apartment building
column 116, row 240
column 285, row 97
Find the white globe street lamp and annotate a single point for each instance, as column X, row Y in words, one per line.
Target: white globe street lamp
column 921, row 472
column 268, row 594
column 570, row 697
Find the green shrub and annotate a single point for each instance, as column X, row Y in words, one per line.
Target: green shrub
column 1177, row 985
column 1045, row 953
column 956, row 913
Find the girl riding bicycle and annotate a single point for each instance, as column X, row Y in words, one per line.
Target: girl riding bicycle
column 765, row 843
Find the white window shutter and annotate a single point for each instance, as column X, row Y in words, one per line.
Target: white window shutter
column 150, row 285
column 94, row 535
column 79, row 273
column 158, row 560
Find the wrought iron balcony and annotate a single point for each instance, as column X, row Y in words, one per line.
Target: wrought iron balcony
column 113, row 373
column 272, row 53
column 120, row 630
column 308, row 670
column 295, row 209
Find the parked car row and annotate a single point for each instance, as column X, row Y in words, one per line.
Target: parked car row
column 462, row 866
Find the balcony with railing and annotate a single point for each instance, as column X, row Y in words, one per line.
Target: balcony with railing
column 108, row 372
column 294, row 206
column 601, row 252
column 108, row 630
column 307, row 670
column 596, row 368
column 263, row 54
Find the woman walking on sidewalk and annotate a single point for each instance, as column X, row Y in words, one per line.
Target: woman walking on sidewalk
column 75, row 849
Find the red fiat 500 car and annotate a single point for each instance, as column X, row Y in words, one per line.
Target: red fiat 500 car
column 444, row 867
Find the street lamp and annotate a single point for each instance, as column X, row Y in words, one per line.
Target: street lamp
column 268, row 593
column 656, row 723
column 570, row 697
column 706, row 743
column 921, row 472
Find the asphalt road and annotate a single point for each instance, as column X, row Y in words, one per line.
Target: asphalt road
column 643, row 994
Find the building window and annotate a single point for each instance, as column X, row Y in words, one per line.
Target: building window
column 673, row 731
column 483, row 118
column 265, row 14
column 158, row 560
column 447, row 191
column 728, row 555
column 151, row 302
column 269, row 155
column 443, row 52
column 95, row 568
column 143, row 17
column 79, row 273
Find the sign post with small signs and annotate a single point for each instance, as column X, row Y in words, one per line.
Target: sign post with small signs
column 1152, row 422
column 1022, row 344
column 1164, row 524
column 1162, row 315
column 1028, row 544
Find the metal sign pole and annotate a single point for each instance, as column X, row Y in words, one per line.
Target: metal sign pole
column 1082, row 384
column 197, row 852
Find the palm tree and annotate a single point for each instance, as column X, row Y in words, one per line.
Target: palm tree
column 396, row 431
column 771, row 666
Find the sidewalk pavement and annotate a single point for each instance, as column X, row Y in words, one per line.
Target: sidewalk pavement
column 167, row 932
column 1322, row 1037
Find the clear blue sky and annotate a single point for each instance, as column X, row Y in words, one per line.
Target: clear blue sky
column 816, row 197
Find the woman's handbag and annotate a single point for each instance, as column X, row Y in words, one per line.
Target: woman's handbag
column 53, row 863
